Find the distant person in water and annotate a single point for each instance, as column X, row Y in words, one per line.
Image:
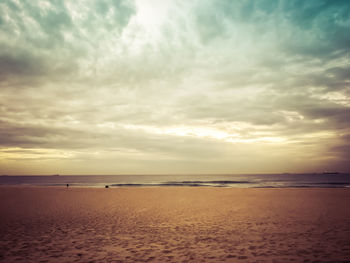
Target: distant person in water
column 67, row 185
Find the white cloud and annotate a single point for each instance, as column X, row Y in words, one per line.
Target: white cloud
column 162, row 82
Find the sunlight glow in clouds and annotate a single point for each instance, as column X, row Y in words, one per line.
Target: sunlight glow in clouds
column 200, row 86
column 203, row 132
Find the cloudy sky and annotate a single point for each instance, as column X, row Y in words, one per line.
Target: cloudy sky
column 160, row 86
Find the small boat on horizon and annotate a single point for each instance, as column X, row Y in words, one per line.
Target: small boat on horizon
column 55, row 175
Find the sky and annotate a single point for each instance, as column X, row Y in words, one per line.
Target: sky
column 162, row 87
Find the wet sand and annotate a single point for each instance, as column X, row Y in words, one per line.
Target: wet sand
column 172, row 224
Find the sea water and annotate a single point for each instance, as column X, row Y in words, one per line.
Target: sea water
column 220, row 180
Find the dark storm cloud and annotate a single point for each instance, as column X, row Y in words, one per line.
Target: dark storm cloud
column 316, row 28
column 20, row 64
column 33, row 136
column 47, row 40
column 337, row 78
column 327, row 21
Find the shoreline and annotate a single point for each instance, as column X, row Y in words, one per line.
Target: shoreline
column 169, row 187
column 220, row 181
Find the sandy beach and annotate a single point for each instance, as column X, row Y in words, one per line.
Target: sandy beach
column 170, row 224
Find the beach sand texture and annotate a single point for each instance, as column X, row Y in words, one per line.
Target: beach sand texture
column 170, row 224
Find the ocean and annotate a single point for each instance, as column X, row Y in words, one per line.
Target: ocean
column 229, row 180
